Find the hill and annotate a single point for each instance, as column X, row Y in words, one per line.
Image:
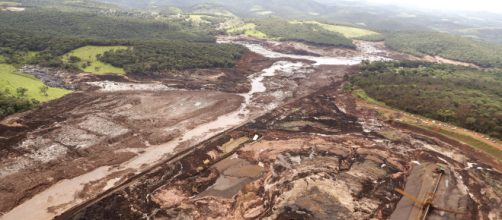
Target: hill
column 447, row 46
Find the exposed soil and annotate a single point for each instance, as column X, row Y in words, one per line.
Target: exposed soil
column 81, row 132
column 233, row 80
column 273, row 138
column 311, row 161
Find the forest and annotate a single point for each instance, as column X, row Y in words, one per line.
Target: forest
column 447, row 46
column 54, row 33
column 44, row 22
column 159, row 57
column 466, row 97
column 43, row 36
column 310, row 33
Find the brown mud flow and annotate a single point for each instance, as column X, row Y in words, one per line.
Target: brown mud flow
column 273, row 138
column 311, row 161
column 82, row 132
column 74, row 149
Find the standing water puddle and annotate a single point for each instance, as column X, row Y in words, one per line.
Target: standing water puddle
column 234, row 174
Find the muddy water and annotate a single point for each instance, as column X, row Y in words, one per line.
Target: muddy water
column 370, row 53
column 63, row 194
column 235, row 173
column 257, row 85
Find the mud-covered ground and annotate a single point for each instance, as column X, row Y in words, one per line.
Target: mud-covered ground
column 308, row 160
column 81, row 132
column 233, row 80
column 73, row 149
column 273, row 138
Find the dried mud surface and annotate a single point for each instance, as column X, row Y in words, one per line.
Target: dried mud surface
column 306, row 160
column 71, row 150
column 81, row 132
column 272, row 138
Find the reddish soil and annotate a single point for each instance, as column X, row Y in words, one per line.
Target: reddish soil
column 317, row 161
column 80, row 132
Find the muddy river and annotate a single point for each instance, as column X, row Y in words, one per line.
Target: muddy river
column 63, row 195
column 369, row 52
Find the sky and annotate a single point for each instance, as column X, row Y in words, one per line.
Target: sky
column 469, row 5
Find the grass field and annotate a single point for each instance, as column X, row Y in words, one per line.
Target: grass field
column 348, row 32
column 248, row 29
column 199, row 19
column 88, row 56
column 10, row 79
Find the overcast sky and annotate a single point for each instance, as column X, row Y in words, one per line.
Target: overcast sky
column 471, row 5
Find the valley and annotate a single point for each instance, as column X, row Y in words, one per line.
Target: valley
column 123, row 109
column 122, row 130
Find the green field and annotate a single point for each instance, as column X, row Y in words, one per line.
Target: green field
column 284, row 30
column 348, row 32
column 10, row 80
column 248, row 29
column 199, row 19
column 89, row 62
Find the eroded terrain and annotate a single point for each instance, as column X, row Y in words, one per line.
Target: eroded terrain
column 307, row 160
column 275, row 137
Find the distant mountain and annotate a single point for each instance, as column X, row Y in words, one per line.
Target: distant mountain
column 243, row 8
column 476, row 25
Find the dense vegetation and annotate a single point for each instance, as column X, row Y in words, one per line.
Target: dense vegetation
column 89, row 25
column 158, row 57
column 463, row 96
column 447, row 46
column 310, row 33
column 47, row 37
column 10, row 104
column 55, row 33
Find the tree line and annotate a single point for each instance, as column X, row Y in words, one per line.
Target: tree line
column 158, row 45
column 18, row 102
column 173, row 55
column 447, row 46
column 310, row 33
column 466, row 97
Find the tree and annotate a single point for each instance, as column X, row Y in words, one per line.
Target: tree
column 74, row 59
column 21, row 91
column 43, row 90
